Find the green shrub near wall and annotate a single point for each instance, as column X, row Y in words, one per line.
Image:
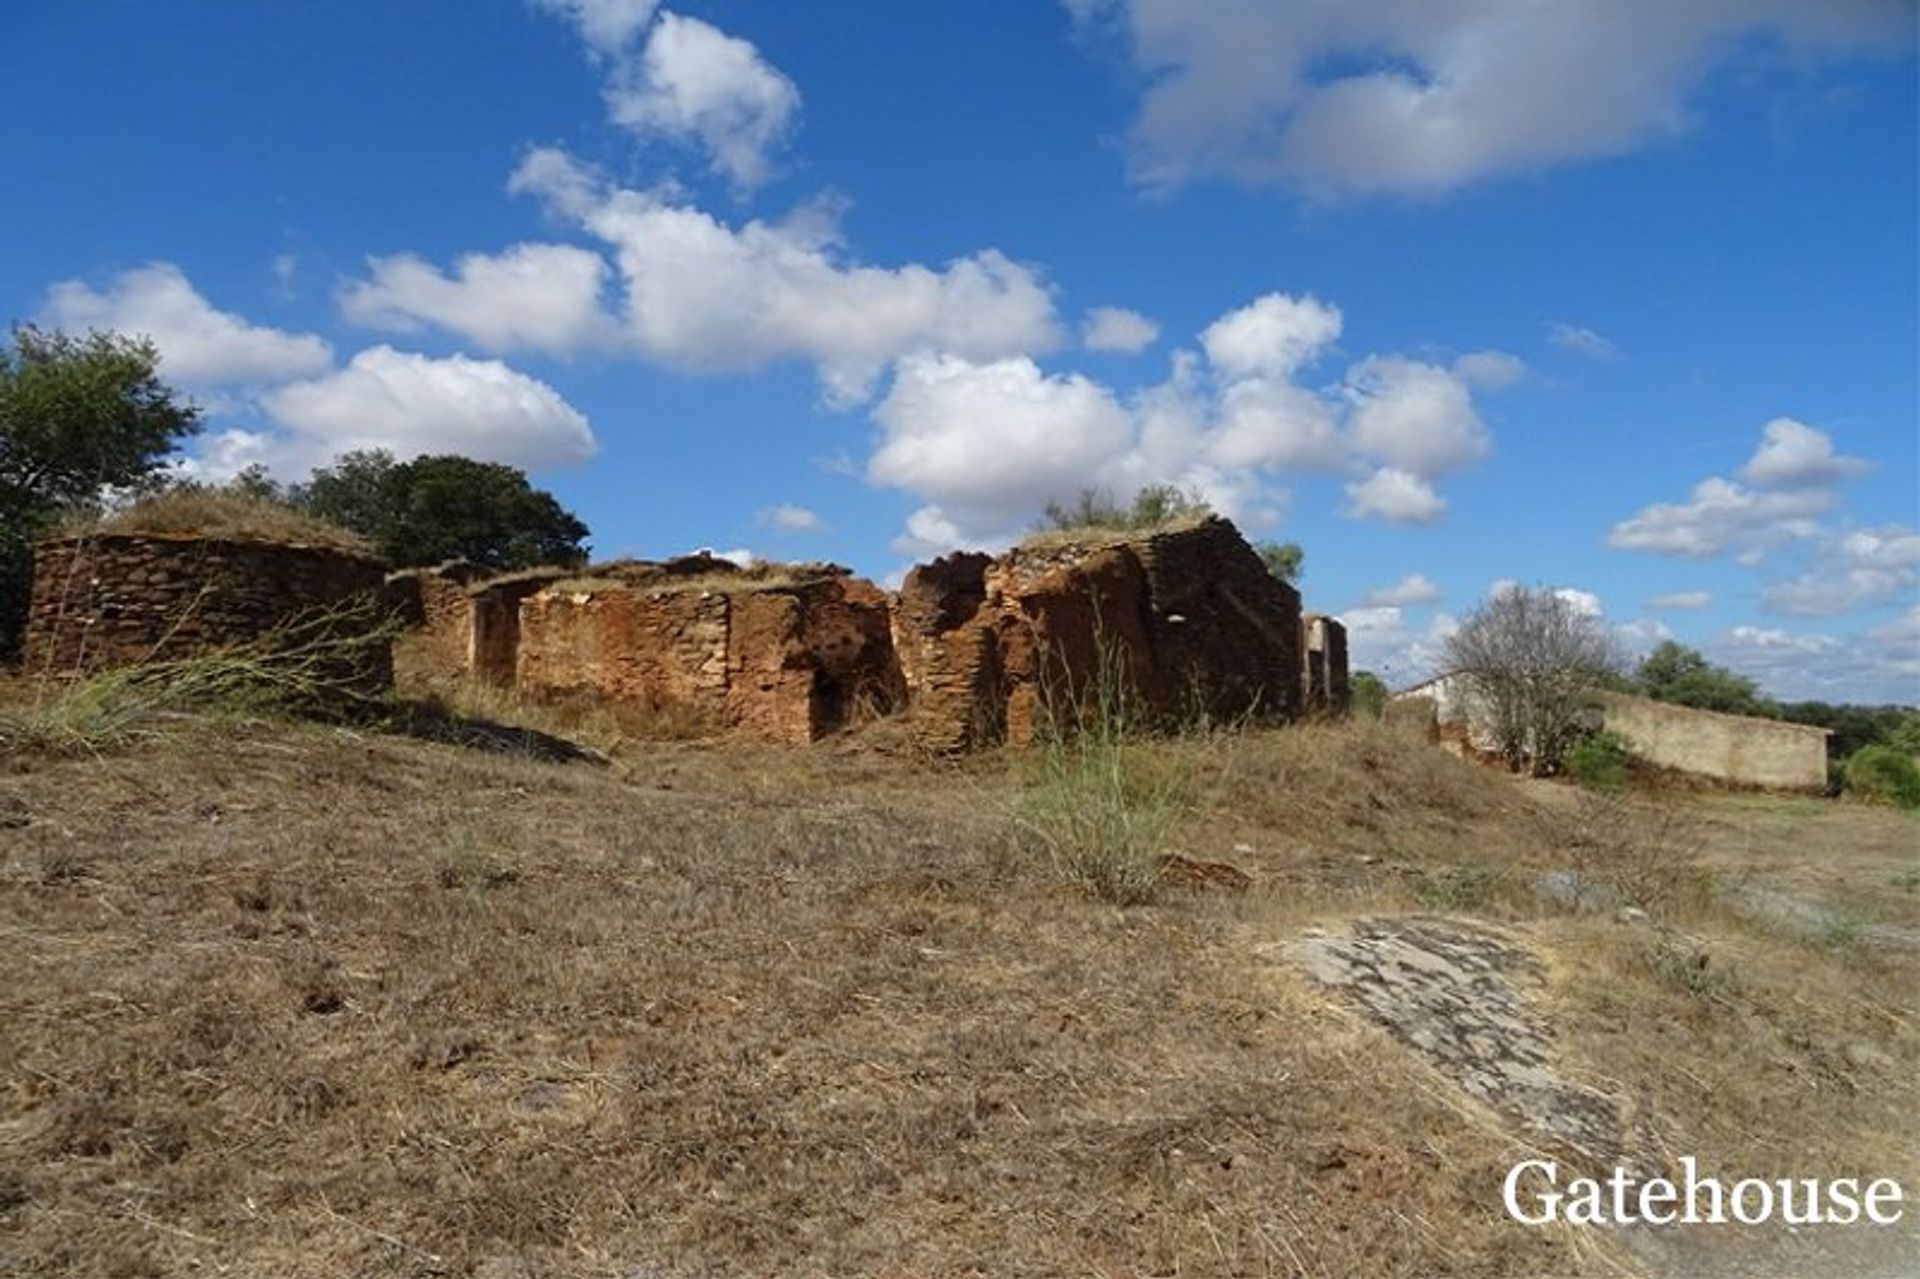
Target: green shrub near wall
column 1600, row 761
column 1883, row 775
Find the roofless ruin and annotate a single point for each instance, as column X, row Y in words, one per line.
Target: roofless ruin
column 1183, row 621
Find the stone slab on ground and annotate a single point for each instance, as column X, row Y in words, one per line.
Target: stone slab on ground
column 1454, row 994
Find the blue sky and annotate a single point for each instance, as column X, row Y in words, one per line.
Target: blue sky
column 1616, row 297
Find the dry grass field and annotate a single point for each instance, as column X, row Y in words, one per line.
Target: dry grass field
column 308, row 1000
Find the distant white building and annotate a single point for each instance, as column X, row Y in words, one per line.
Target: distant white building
column 1739, row 749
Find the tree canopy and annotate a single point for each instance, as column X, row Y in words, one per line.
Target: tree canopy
column 78, row 416
column 1672, row 672
column 1369, row 694
column 438, row 508
column 1283, row 560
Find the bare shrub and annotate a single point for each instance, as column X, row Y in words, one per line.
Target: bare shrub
column 1645, row 855
column 1529, row 657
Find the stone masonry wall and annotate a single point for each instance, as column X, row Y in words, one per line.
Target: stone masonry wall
column 493, row 623
column 112, row 599
column 1189, row 620
column 779, row 663
column 436, row 604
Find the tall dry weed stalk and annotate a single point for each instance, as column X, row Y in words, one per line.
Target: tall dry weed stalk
column 1102, row 808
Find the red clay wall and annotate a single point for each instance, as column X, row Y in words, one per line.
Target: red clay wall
column 435, row 603
column 1190, row 620
column 116, row 598
column 781, row 664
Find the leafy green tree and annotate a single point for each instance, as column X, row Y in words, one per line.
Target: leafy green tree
column 1283, row 560
column 439, row 508
column 1853, row 727
column 1369, row 694
column 1673, row 672
column 78, row 415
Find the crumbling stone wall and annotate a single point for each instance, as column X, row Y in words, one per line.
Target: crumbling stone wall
column 783, row 663
column 493, row 623
column 111, row 599
column 1188, row 620
column 436, row 605
column 1325, row 687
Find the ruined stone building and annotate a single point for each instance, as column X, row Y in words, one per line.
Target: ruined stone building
column 1187, row 621
column 1178, row 624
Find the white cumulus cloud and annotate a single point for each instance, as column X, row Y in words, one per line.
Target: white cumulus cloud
column 1852, row 571
column 1681, row 600
column 1396, row 496
column 986, row 443
column 413, row 404
column 1792, row 453
column 532, row 296
column 990, row 440
column 1272, row 336
column 703, row 294
column 1415, row 588
column 1793, row 479
column 1115, row 328
column 1491, row 369
column 1722, row 517
column 607, row 26
column 1417, row 418
column 1582, row 341
column 199, row 345
column 789, row 518
column 695, row 84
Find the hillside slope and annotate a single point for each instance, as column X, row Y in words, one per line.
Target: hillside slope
column 303, row 1001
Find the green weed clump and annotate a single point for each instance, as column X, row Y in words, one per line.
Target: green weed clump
column 1600, row 761
column 1883, row 775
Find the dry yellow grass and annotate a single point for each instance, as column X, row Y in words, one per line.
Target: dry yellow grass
column 1109, row 534
column 307, row 1002
column 184, row 512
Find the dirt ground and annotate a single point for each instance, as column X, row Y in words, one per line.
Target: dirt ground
column 309, row 1001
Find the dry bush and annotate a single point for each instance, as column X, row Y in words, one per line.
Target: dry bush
column 196, row 512
column 1644, row 853
column 314, row 664
column 1360, row 784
